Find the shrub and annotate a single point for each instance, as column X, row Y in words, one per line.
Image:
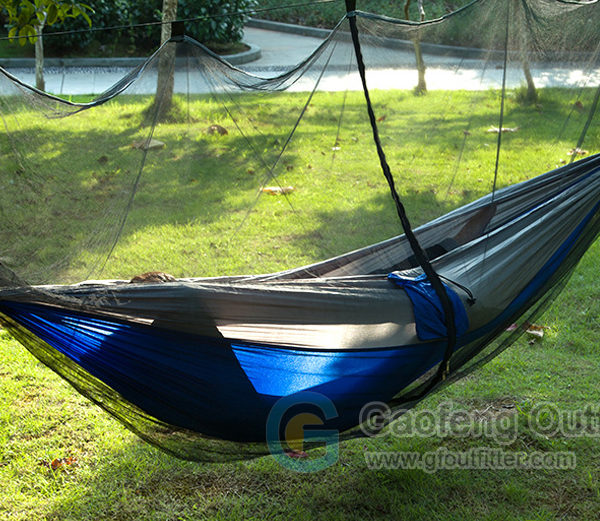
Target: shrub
column 218, row 28
column 107, row 13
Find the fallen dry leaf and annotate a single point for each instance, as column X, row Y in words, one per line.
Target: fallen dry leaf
column 537, row 331
column 297, row 454
column 217, row 129
column 531, row 329
column 496, row 130
column 278, row 190
column 59, row 463
column 152, row 144
column 577, row 152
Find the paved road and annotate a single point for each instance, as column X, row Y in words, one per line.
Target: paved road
column 281, row 50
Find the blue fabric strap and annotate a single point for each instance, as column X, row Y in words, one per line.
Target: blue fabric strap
column 429, row 314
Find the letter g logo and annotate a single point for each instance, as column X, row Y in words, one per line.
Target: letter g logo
column 299, row 429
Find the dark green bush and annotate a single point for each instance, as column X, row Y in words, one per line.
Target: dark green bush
column 107, row 13
column 220, row 29
column 216, row 28
column 327, row 15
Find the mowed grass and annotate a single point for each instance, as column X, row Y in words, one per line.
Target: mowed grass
column 193, row 220
column 198, row 208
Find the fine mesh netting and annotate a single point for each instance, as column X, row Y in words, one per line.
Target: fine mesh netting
column 262, row 198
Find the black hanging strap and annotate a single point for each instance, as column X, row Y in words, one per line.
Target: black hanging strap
column 177, row 30
column 418, row 251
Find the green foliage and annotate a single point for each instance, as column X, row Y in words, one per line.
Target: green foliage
column 27, row 18
column 108, row 13
column 215, row 28
column 218, row 28
column 327, row 15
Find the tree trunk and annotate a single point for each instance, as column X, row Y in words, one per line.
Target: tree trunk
column 522, row 37
column 421, row 87
column 166, row 72
column 39, row 58
column 532, row 95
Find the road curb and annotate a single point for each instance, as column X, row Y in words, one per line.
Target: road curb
column 392, row 43
column 269, row 25
column 252, row 54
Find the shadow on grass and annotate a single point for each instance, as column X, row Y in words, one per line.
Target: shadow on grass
column 67, row 194
column 140, row 483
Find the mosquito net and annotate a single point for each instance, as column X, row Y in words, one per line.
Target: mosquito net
column 278, row 208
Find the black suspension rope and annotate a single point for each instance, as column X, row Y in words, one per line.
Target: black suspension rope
column 587, row 124
column 155, row 117
column 342, row 110
column 466, row 131
column 503, row 97
column 246, row 12
column 500, row 124
column 420, row 254
column 270, row 170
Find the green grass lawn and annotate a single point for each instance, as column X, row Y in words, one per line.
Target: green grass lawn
column 194, row 220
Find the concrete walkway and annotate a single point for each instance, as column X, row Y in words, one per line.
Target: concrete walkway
column 282, row 50
column 279, row 52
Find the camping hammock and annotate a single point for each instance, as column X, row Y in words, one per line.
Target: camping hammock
column 195, row 365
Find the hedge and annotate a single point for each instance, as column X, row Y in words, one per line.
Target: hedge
column 111, row 13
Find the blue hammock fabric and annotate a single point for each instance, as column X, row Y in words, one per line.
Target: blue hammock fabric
column 429, row 314
column 209, row 386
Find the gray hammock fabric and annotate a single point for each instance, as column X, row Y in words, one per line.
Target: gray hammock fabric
column 196, row 364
